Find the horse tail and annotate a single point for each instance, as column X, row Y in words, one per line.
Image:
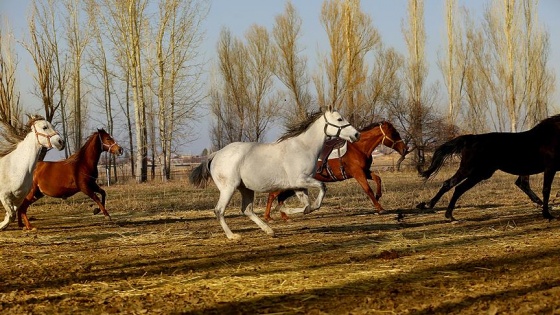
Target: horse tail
column 199, row 175
column 442, row 153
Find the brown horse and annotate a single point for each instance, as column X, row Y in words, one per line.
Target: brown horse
column 355, row 163
column 519, row 153
column 63, row 179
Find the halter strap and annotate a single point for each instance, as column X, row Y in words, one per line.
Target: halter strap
column 327, row 124
column 386, row 137
column 103, row 144
column 37, row 134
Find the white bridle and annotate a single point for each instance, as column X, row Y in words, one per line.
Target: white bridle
column 37, row 134
column 327, row 124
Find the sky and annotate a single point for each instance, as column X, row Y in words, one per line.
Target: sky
column 239, row 15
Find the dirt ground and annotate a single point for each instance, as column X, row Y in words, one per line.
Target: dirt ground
column 165, row 253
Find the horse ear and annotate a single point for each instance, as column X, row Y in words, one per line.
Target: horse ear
column 330, row 108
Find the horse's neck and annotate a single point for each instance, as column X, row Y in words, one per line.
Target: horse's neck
column 369, row 141
column 314, row 137
column 25, row 154
column 91, row 152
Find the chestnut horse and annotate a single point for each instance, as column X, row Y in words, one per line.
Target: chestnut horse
column 63, row 179
column 519, row 153
column 355, row 163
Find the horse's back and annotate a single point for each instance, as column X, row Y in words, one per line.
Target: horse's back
column 518, row 153
column 259, row 166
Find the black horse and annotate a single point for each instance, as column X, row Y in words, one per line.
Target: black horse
column 525, row 153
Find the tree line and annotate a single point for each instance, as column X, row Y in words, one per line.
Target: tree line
column 141, row 60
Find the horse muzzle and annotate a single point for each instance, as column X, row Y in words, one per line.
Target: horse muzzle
column 117, row 150
column 58, row 143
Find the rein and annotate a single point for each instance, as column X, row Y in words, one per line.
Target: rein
column 37, row 134
column 327, row 124
column 386, row 137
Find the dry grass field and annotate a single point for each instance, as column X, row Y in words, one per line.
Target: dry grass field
column 165, row 253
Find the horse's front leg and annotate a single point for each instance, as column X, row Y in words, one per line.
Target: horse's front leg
column 10, row 213
column 100, row 203
column 377, row 181
column 319, row 200
column 362, row 180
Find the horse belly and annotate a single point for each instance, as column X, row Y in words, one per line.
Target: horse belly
column 261, row 178
column 58, row 190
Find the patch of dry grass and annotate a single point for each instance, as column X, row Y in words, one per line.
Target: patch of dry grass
column 164, row 252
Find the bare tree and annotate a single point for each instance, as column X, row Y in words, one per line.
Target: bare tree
column 512, row 70
column 78, row 36
column 178, row 70
column 50, row 61
column 416, row 73
column 453, row 66
column 291, row 66
column 351, row 37
column 384, row 84
column 10, row 109
column 100, row 68
column 125, row 22
column 241, row 100
column 539, row 78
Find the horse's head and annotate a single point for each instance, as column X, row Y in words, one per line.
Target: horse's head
column 108, row 143
column 338, row 126
column 45, row 134
column 392, row 138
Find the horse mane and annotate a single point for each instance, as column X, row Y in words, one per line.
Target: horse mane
column 75, row 157
column 372, row 125
column 298, row 128
column 14, row 132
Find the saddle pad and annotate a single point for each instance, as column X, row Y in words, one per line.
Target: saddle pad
column 338, row 150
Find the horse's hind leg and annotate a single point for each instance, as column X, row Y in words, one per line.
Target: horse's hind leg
column 447, row 185
column 23, row 221
column 247, row 200
column 282, row 196
column 523, row 183
column 548, row 178
column 225, row 197
column 303, row 197
column 467, row 184
column 269, row 201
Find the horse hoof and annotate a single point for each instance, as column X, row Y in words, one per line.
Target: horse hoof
column 96, row 211
column 26, row 229
column 421, row 206
column 456, row 221
column 379, row 212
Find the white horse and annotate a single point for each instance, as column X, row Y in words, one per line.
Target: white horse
column 18, row 157
column 264, row 167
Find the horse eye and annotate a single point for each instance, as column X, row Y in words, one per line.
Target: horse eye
column 44, row 127
column 340, row 119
